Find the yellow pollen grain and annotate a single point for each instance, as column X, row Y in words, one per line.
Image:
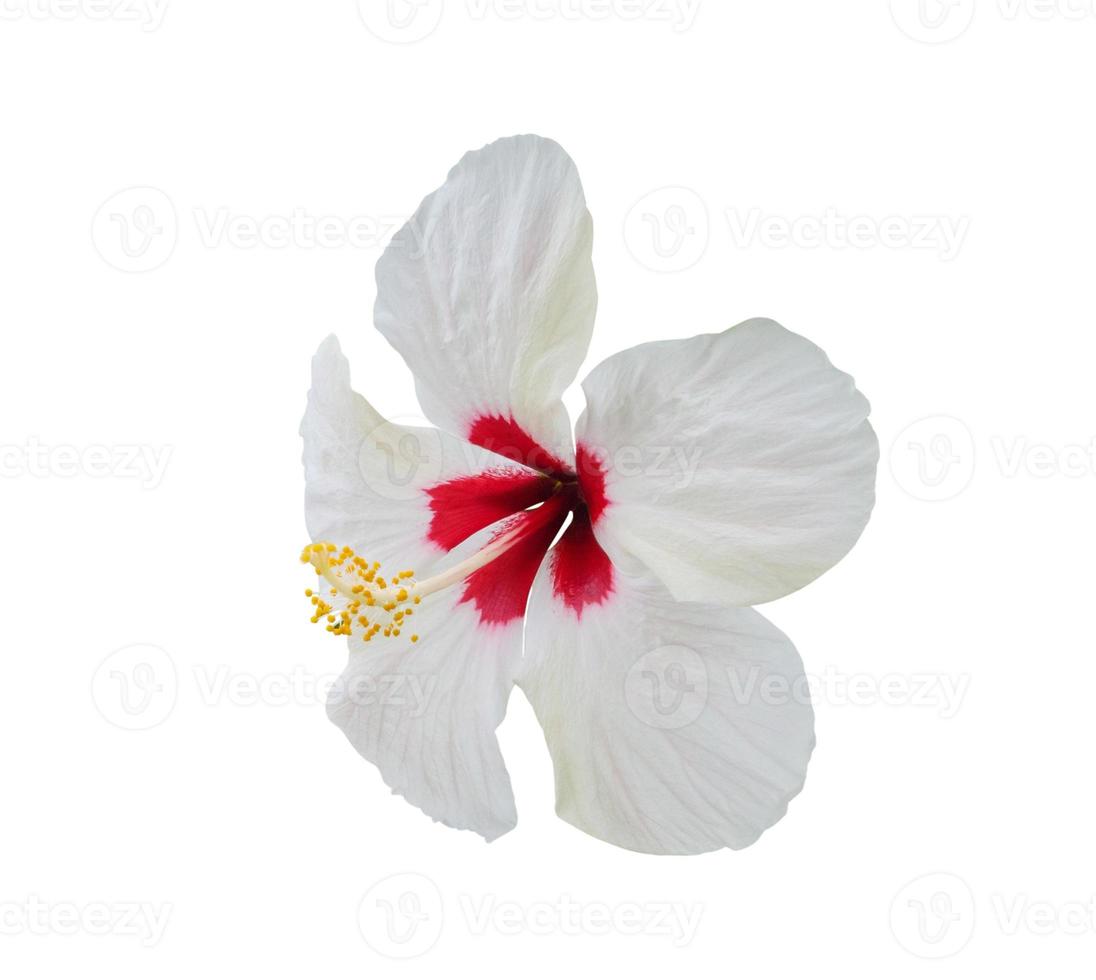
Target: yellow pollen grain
column 349, row 578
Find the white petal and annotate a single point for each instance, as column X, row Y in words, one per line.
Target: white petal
column 488, row 293
column 368, row 481
column 425, row 713
column 738, row 466
column 674, row 728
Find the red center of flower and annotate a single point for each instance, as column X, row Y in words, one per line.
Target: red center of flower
column 580, row 571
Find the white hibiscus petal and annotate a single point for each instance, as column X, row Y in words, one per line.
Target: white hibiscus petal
column 674, row 728
column 372, row 485
column 425, row 713
column 488, row 293
column 737, row 467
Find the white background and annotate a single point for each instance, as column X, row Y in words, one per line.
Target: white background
column 952, row 649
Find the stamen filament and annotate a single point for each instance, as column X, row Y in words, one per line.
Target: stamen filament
column 472, row 563
column 358, row 582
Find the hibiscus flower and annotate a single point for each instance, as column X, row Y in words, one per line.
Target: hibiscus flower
column 609, row 575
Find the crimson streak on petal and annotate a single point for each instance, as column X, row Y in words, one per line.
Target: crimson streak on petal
column 582, row 574
column 591, row 477
column 500, row 590
column 507, row 438
column 470, row 503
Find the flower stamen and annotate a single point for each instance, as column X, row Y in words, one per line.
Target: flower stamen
column 363, row 602
column 365, row 595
